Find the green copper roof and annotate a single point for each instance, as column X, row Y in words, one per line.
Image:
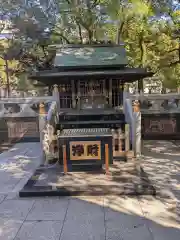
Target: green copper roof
column 84, row 55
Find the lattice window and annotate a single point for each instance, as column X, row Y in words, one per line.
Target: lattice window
column 92, row 87
column 92, row 94
column 117, row 93
column 65, row 95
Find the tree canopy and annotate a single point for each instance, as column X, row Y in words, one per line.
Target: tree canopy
column 150, row 30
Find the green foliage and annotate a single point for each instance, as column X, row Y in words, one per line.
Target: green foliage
column 150, row 42
column 8, row 65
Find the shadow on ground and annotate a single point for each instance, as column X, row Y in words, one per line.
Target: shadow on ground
column 161, row 162
column 123, row 178
column 108, row 217
column 17, row 163
column 85, row 218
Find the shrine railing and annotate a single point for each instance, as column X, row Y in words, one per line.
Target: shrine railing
column 49, row 133
column 21, row 121
column 158, row 103
column 121, row 142
column 133, row 118
column 160, row 115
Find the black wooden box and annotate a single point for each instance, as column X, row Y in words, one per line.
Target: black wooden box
column 85, row 146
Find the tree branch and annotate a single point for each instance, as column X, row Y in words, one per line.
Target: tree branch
column 142, row 58
column 80, row 32
column 95, row 3
column 173, row 63
column 143, row 50
column 69, row 2
column 44, row 51
column 119, row 32
column 175, row 49
column 61, row 35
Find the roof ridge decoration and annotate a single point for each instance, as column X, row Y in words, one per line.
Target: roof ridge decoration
column 90, row 55
column 87, row 44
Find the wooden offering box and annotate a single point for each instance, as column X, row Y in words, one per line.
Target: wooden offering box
column 85, row 147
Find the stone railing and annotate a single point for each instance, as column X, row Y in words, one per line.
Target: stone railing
column 27, row 119
column 18, row 121
column 48, row 137
column 133, row 118
column 160, row 115
column 158, row 103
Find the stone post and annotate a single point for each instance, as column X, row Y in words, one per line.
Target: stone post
column 42, row 123
column 107, row 158
column 56, row 96
column 127, row 139
column 136, row 129
column 113, row 140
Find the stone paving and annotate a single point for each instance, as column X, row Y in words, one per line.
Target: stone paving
column 161, row 161
column 86, row 218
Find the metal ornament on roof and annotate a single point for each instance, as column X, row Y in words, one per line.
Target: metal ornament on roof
column 91, row 54
column 98, row 43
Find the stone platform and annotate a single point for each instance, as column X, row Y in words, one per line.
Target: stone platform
column 123, row 178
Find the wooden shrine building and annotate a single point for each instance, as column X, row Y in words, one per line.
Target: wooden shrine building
column 86, row 130
column 90, row 81
column 90, row 76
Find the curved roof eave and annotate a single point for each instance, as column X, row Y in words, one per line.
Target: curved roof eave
column 114, row 73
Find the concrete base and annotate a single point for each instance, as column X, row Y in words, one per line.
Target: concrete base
column 123, row 179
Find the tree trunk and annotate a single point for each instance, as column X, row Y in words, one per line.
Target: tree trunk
column 119, row 32
column 143, row 60
column 163, row 91
column 90, row 36
column 140, row 85
column 7, row 77
column 80, row 33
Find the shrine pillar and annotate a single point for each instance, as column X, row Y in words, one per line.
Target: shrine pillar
column 136, row 139
column 110, row 92
column 56, row 96
column 78, row 95
column 125, row 94
column 121, row 91
column 42, row 123
column 73, row 94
